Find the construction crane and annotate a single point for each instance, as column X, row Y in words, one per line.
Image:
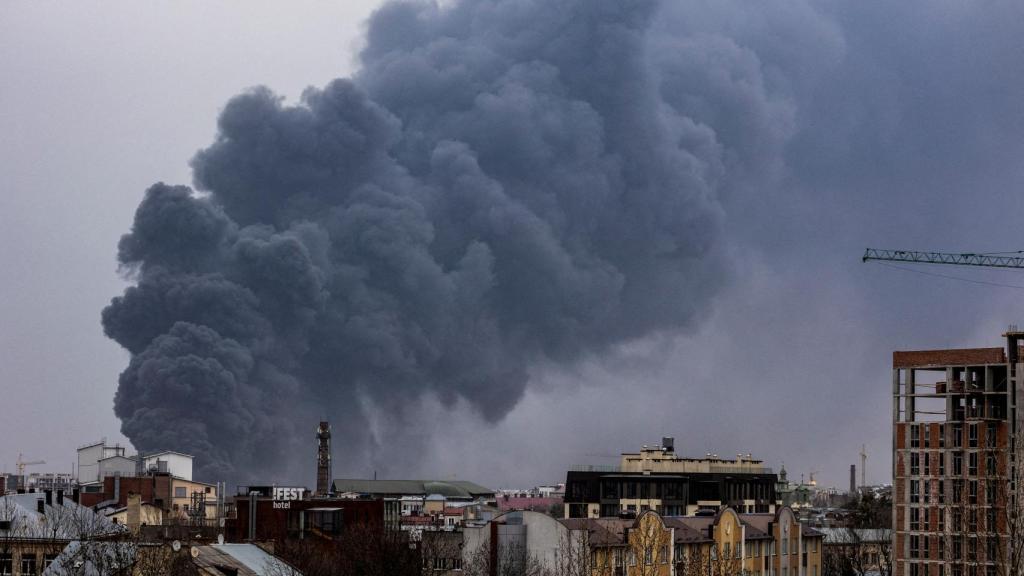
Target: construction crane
column 988, row 260
column 22, row 464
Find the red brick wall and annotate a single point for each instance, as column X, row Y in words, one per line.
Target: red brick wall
column 960, row 357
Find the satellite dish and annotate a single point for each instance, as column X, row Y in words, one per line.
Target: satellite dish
column 176, row 546
column 195, row 552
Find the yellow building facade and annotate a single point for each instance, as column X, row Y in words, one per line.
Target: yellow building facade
column 725, row 544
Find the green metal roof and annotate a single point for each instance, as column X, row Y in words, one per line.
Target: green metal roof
column 447, row 488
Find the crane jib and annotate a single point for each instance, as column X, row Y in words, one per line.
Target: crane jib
column 967, row 259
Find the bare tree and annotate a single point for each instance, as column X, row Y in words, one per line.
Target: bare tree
column 649, row 546
column 510, row 559
column 576, row 556
column 864, row 545
column 709, row 560
column 440, row 552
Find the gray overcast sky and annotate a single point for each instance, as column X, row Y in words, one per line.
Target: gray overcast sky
column 868, row 124
column 97, row 102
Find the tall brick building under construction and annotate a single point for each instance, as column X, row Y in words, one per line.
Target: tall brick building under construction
column 954, row 424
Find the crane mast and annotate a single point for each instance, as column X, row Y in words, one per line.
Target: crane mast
column 964, row 259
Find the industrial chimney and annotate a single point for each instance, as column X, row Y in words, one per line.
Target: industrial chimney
column 853, row 478
column 323, row 460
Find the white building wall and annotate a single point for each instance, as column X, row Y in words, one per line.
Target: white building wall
column 475, row 540
column 544, row 535
column 88, row 463
column 179, row 465
column 541, row 535
column 89, row 460
column 117, row 466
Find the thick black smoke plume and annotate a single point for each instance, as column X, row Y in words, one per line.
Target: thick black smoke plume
column 503, row 183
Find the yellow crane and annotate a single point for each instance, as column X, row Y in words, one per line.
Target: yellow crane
column 23, row 463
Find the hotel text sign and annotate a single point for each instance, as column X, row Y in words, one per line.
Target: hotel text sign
column 284, row 495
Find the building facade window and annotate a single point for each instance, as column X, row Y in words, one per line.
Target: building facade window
column 28, row 564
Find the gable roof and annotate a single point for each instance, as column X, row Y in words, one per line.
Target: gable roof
column 600, row 531
column 92, row 558
column 166, row 452
column 66, row 521
column 247, row 559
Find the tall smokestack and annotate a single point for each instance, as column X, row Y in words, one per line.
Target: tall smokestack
column 323, row 459
column 853, row 478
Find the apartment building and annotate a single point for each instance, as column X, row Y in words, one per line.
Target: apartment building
column 657, row 479
column 954, row 424
column 724, row 542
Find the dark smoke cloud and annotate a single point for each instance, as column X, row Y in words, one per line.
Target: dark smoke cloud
column 503, row 183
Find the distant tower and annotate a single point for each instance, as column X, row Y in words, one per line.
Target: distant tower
column 323, row 459
column 863, row 465
column 853, row 478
